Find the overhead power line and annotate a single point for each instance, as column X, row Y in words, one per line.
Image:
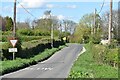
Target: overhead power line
column 102, row 6
column 26, row 10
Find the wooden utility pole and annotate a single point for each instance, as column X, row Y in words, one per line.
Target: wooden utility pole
column 52, row 33
column 110, row 23
column 94, row 28
column 52, row 36
column 65, row 31
column 14, row 26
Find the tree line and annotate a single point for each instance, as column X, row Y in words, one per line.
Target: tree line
column 61, row 27
column 86, row 30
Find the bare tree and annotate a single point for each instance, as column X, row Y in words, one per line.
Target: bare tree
column 28, row 21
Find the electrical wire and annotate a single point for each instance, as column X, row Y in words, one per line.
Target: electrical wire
column 101, row 7
column 26, row 10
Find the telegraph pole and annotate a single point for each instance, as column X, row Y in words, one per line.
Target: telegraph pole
column 52, row 35
column 110, row 23
column 14, row 26
column 65, row 26
column 94, row 29
column 51, row 30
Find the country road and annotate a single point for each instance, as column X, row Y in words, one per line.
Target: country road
column 57, row 66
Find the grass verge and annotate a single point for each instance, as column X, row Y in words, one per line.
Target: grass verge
column 10, row 66
column 86, row 67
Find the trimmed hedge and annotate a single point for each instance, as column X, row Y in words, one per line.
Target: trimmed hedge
column 35, row 32
column 29, row 51
column 22, row 38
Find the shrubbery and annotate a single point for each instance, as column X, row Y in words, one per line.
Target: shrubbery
column 35, row 32
column 6, row 32
column 28, row 52
column 95, row 38
column 4, row 38
column 27, row 32
column 105, row 55
column 22, row 38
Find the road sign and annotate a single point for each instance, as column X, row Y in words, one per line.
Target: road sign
column 13, row 42
column 64, row 38
column 12, row 49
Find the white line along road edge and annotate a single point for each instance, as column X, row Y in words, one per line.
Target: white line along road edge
column 83, row 50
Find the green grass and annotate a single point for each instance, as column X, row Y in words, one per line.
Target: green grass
column 86, row 67
column 10, row 66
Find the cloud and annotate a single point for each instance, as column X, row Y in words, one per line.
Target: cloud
column 31, row 4
column 71, row 6
column 42, row 4
column 61, row 17
column 50, row 5
column 61, row 6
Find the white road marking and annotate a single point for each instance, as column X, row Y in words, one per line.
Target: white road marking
column 38, row 68
column 47, row 69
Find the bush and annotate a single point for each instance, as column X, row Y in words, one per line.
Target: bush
column 112, row 57
column 104, row 55
column 38, row 32
column 27, row 32
column 29, row 38
column 113, row 44
column 86, row 39
column 6, row 32
column 4, row 38
column 95, row 39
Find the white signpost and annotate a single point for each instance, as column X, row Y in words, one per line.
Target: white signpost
column 13, row 42
column 12, row 49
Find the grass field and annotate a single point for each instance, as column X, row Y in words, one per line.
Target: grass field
column 86, row 67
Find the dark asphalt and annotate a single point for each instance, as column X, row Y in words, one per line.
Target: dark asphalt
column 57, row 66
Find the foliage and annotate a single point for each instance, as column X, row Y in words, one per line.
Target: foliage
column 4, row 38
column 84, row 30
column 64, row 34
column 6, row 32
column 114, row 44
column 35, row 32
column 81, row 34
column 29, row 49
column 96, row 38
column 41, row 32
column 104, row 55
column 27, row 32
column 87, row 67
column 8, row 23
column 24, row 38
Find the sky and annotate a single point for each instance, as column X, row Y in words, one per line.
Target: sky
column 72, row 10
